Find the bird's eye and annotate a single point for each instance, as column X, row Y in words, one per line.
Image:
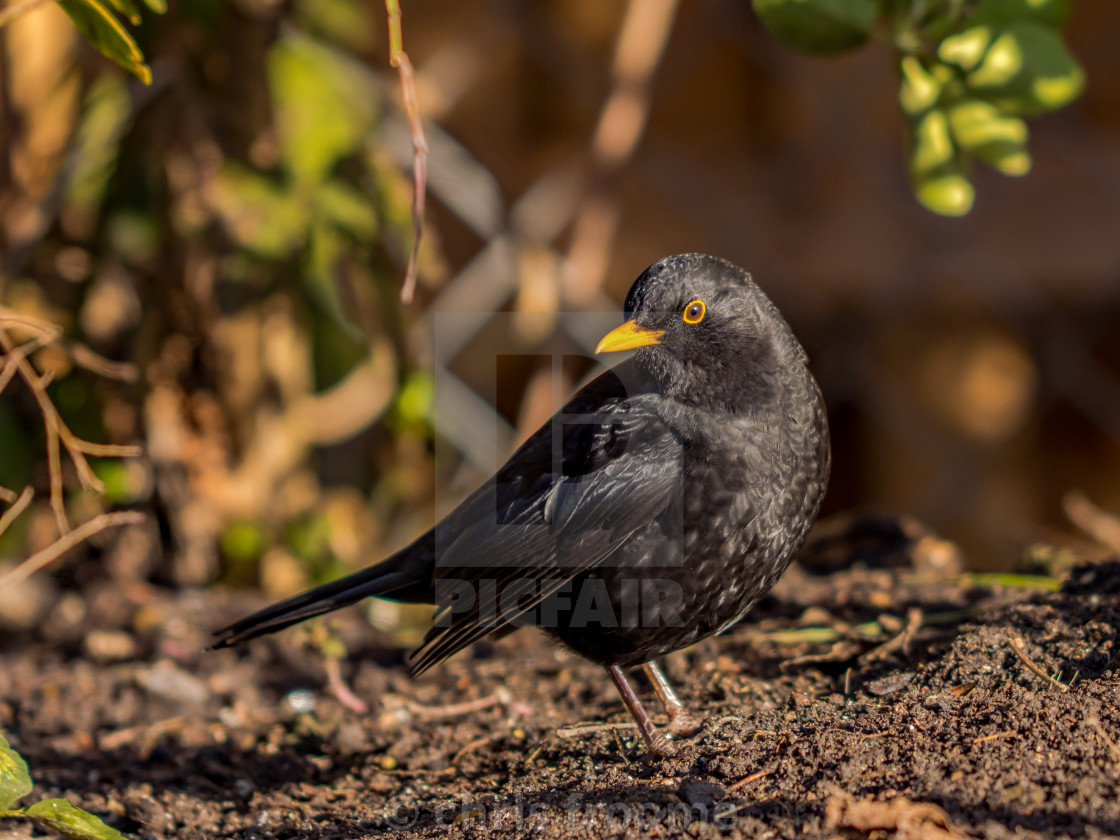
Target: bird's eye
column 694, row 312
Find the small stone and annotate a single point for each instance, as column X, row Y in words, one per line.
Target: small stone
column 166, row 679
column 109, row 645
column 301, row 701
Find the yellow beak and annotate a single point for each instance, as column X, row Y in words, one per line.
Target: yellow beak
column 627, row 337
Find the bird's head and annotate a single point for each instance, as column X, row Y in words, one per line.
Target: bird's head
column 706, row 332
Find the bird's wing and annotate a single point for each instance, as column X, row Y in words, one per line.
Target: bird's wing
column 548, row 516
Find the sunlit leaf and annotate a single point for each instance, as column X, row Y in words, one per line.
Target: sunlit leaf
column 127, row 9
column 967, row 48
column 105, row 116
column 15, row 780
column 986, row 132
column 100, row 28
column 71, row 821
column 933, row 145
column 157, row 6
column 951, row 194
column 416, row 398
column 348, row 208
column 818, row 26
column 354, row 25
column 260, row 214
column 244, row 541
column 936, row 169
column 921, row 84
column 324, row 104
column 1028, row 70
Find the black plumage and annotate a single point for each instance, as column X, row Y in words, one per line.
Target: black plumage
column 649, row 513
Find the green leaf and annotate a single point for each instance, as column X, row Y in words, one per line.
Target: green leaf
column 937, row 169
column 71, row 821
column 351, row 210
column 947, row 194
column 983, row 130
column 257, row 212
column 100, row 28
column 15, row 780
column 416, row 398
column 1028, row 70
column 933, row 145
column 324, row 104
column 127, row 9
column 106, row 114
column 326, row 248
column 244, row 541
column 1051, row 13
column 157, row 6
column 966, row 49
column 922, row 86
column 821, row 27
column 353, row 25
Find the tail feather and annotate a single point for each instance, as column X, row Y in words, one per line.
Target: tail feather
column 402, row 577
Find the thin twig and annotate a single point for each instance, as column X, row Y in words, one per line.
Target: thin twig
column 56, row 430
column 1016, row 645
column 22, row 352
column 83, row 356
column 341, row 690
column 1101, row 525
column 399, row 58
column 746, row 780
column 67, row 541
column 1007, row 733
column 901, row 642
column 8, row 318
column 18, row 507
column 475, row 744
column 579, row 731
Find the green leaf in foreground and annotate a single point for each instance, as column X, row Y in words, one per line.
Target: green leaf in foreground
column 821, row 27
column 100, row 28
column 1028, row 70
column 126, row 9
column 15, row 780
column 71, row 821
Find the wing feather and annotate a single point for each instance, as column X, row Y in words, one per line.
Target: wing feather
column 538, row 524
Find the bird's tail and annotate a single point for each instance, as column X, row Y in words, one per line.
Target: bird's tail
column 405, row 576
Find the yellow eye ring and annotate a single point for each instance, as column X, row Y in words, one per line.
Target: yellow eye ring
column 695, row 311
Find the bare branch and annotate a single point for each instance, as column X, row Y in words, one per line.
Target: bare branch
column 56, row 430
column 1017, row 646
column 399, row 58
column 96, row 363
column 67, row 541
column 18, row 507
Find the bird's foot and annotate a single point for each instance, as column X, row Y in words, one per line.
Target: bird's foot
column 684, row 725
column 661, row 747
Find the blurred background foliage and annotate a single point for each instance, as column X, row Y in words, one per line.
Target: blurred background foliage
column 223, row 249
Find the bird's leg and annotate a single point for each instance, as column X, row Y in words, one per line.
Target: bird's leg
column 680, row 721
column 657, row 743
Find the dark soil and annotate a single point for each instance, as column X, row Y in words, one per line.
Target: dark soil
column 943, row 731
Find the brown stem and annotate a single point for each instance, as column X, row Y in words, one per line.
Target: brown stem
column 399, row 58
column 67, row 541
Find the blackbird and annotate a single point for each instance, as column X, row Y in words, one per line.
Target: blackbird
column 647, row 514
